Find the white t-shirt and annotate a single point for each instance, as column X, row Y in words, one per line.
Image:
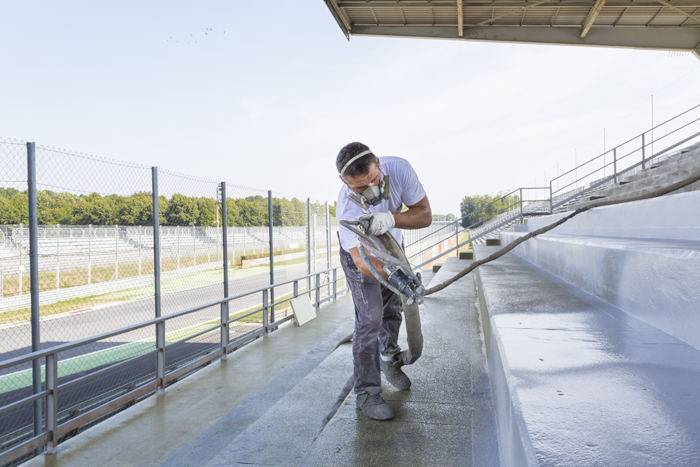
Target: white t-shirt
column 404, row 188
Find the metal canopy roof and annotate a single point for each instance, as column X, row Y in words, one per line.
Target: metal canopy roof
column 660, row 24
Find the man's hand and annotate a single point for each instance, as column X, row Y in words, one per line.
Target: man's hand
column 379, row 222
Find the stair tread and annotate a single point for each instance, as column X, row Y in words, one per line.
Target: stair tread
column 591, row 382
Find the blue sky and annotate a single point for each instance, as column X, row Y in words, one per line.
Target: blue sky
column 265, row 97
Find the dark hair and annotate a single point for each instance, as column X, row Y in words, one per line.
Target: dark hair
column 360, row 166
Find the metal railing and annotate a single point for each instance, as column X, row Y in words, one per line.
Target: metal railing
column 52, row 430
column 636, row 153
column 598, row 172
column 171, row 328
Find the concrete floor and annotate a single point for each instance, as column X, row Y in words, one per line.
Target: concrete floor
column 447, row 417
column 268, row 404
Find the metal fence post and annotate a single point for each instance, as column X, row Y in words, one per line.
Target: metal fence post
column 317, row 301
column 116, row 252
column 194, row 245
column 20, row 267
column 34, row 280
column 177, row 229
column 89, row 253
column 272, row 255
column 140, row 244
column 335, row 284
column 265, row 306
column 521, row 201
column 160, row 327
column 328, row 243
column 308, row 244
column 224, row 305
column 51, row 403
column 58, row 257
column 644, row 150
column 615, row 165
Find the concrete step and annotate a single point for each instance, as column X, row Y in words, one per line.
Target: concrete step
column 579, row 382
column 653, row 280
column 641, row 257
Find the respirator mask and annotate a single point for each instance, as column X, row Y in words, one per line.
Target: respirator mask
column 373, row 194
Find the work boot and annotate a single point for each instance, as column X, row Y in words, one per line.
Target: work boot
column 394, row 374
column 374, row 406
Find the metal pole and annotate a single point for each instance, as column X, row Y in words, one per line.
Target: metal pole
column 550, row 197
column 265, row 306
column 58, row 256
column 317, row 301
column 140, row 244
column 116, row 252
column 335, row 284
column 51, row 403
column 328, row 243
column 160, row 327
column 644, row 150
column 34, row 280
column 615, row 164
column 272, row 254
column 89, row 253
column 224, row 245
column 21, row 267
column 457, row 237
column 521, row 201
column 308, row 245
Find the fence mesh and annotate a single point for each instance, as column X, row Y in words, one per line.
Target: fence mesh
column 192, row 270
column 96, row 268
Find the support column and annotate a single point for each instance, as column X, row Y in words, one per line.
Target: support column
column 160, row 327
column 272, row 254
column 224, row 306
column 34, row 281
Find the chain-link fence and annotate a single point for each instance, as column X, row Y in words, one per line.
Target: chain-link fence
column 114, row 281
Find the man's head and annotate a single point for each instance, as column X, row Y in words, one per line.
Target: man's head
column 358, row 172
column 359, row 169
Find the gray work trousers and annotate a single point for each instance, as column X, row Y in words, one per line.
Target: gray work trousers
column 377, row 322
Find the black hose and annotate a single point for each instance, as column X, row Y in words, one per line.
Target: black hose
column 597, row 204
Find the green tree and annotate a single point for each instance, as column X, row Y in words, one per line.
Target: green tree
column 479, row 208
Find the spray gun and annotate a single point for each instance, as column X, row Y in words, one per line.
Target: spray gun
column 400, row 277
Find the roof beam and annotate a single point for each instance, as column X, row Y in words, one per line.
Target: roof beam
column 662, row 38
column 460, row 19
column 340, row 18
column 675, row 8
column 592, row 15
column 514, row 11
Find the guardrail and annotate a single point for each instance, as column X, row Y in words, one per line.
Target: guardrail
column 53, row 429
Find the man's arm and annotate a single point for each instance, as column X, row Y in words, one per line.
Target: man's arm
column 417, row 216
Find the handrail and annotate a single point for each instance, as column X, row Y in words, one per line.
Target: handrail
column 133, row 327
column 625, row 142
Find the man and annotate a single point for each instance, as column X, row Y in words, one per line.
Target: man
column 376, row 188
